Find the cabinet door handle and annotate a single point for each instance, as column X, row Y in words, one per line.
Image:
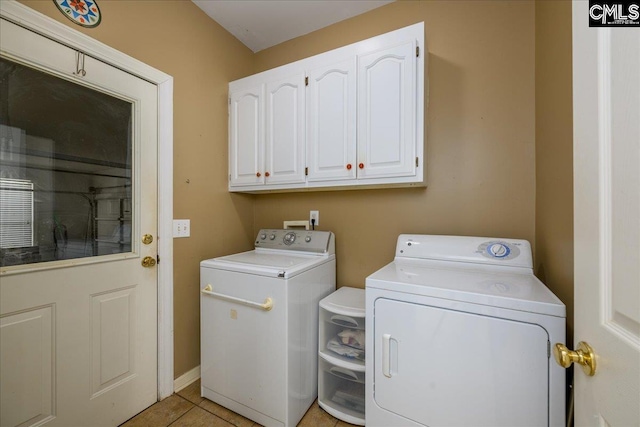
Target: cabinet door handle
column 386, row 362
column 267, row 174
column 258, row 174
column 361, row 165
column 348, row 166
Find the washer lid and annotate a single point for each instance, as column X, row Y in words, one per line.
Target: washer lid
column 263, row 263
column 514, row 289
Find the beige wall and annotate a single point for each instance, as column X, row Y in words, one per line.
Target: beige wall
column 481, row 135
column 177, row 38
column 554, row 151
column 480, row 130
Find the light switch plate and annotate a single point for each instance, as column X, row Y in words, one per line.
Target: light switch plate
column 181, row 228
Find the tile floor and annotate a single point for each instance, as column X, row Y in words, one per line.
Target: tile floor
column 188, row 409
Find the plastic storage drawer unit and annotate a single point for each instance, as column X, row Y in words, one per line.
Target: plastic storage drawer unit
column 342, row 355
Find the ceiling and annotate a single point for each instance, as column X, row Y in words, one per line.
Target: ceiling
column 260, row 24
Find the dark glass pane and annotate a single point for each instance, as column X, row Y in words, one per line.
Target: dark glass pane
column 65, row 169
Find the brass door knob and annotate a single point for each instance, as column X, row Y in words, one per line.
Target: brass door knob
column 148, row 261
column 584, row 356
column 147, row 239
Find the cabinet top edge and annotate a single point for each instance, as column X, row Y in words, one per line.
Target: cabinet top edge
column 414, row 31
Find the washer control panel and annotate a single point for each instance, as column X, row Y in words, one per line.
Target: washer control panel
column 296, row 240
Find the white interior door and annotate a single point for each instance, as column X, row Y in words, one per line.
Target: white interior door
column 606, row 102
column 78, row 312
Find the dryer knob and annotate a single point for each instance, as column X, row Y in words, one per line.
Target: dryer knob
column 307, row 239
column 263, row 236
column 272, row 237
column 499, row 250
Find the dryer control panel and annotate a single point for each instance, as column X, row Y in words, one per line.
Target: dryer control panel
column 296, row 240
column 499, row 249
column 478, row 250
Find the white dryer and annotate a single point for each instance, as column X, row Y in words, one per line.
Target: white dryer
column 259, row 324
column 459, row 333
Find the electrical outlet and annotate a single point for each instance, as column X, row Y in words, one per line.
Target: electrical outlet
column 181, row 228
column 314, row 215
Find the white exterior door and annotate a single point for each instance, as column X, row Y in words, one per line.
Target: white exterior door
column 387, row 112
column 331, row 122
column 285, row 131
column 78, row 311
column 246, row 136
column 606, row 102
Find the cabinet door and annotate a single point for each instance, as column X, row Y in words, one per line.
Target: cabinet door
column 246, row 136
column 386, row 112
column 284, row 145
column 331, row 122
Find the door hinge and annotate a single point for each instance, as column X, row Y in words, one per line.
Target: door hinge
column 158, row 258
column 418, row 51
column 306, row 81
column 306, row 171
column 548, row 349
column 417, row 161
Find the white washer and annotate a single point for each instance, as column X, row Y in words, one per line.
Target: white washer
column 459, row 333
column 259, row 324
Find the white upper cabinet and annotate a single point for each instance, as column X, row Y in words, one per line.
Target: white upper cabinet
column 246, row 136
column 284, row 145
column 331, row 122
column 387, row 112
column 347, row 118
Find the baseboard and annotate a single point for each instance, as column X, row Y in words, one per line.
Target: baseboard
column 186, row 379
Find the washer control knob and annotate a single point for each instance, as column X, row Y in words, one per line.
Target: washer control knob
column 289, row 238
column 263, row 236
column 272, row 237
column 307, row 239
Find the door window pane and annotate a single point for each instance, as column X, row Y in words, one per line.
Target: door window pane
column 65, row 168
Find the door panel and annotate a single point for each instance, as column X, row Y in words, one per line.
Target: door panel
column 606, row 105
column 247, row 136
column 88, row 147
column 285, row 131
column 331, row 122
column 386, row 112
column 28, row 387
column 447, row 357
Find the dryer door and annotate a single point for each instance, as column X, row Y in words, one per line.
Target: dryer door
column 438, row 366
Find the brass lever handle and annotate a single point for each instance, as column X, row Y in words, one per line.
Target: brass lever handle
column 584, row 356
column 148, row 262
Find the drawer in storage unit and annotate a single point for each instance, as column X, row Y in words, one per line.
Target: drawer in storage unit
column 341, row 391
column 342, row 337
